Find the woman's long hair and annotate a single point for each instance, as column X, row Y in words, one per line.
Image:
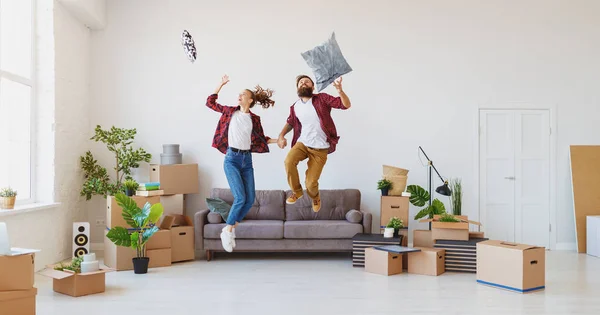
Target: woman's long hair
column 262, row 97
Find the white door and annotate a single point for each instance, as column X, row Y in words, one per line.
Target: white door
column 514, row 161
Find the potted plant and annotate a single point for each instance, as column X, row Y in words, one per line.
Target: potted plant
column 118, row 141
column 396, row 224
column 143, row 223
column 456, row 196
column 130, row 187
column 8, row 197
column 419, row 197
column 384, row 185
column 446, row 217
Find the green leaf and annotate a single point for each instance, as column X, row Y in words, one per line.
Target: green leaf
column 438, row 207
column 418, row 195
column 156, row 211
column 119, row 236
column 135, row 240
column 130, row 209
column 148, row 233
column 423, row 213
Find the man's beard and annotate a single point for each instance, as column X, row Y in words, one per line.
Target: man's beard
column 305, row 91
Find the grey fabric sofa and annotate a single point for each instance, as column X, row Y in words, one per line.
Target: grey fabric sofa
column 273, row 226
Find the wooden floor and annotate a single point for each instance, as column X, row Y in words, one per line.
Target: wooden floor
column 246, row 284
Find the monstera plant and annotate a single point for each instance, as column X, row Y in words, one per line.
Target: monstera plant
column 419, row 197
column 143, row 225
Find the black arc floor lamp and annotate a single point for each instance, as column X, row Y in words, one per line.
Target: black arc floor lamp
column 443, row 189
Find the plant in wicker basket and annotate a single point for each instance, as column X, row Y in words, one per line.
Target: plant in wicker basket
column 8, row 197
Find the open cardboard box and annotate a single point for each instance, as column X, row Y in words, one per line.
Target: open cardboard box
column 182, row 237
column 77, row 284
column 454, row 231
column 18, row 302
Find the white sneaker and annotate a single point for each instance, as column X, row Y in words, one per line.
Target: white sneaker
column 233, row 237
column 226, row 238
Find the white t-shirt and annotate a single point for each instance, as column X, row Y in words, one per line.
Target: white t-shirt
column 240, row 130
column 311, row 134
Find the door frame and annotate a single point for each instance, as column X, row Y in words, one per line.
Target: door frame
column 552, row 109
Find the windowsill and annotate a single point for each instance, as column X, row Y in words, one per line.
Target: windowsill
column 32, row 207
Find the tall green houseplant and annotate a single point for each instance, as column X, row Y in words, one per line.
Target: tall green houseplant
column 118, row 141
column 419, row 197
column 456, row 196
column 143, row 225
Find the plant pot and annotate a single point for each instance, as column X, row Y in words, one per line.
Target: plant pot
column 384, row 191
column 388, row 232
column 140, row 265
column 7, row 202
column 396, row 232
column 129, row 192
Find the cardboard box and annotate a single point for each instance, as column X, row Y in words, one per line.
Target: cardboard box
column 429, row 261
column 114, row 213
column 511, row 266
column 455, row 231
column 116, row 257
column 422, row 238
column 473, row 235
column 593, row 235
column 173, row 204
column 159, row 257
column 77, row 284
column 17, row 272
column 182, row 237
column 18, row 302
column 382, row 262
column 176, row 178
column 393, row 206
column 160, row 240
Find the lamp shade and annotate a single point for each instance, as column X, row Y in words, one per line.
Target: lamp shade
column 444, row 190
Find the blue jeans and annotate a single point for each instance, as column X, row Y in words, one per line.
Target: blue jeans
column 240, row 175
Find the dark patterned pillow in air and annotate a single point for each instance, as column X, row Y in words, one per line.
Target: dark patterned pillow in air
column 188, row 45
column 326, row 62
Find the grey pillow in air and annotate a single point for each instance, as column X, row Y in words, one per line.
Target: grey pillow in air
column 219, row 206
column 354, row 216
column 326, row 62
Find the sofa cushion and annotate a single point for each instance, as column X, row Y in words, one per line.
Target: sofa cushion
column 214, row 218
column 268, row 204
column 249, row 229
column 324, row 229
column 353, row 216
column 334, row 205
column 218, row 205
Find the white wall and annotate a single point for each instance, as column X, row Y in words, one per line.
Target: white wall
column 63, row 60
column 421, row 71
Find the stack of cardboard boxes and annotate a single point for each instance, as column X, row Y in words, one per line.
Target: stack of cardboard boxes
column 174, row 241
column 17, row 294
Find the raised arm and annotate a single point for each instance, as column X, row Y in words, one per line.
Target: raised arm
column 211, row 102
column 340, row 102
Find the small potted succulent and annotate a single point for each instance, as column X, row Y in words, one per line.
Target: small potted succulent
column 384, row 185
column 396, row 224
column 8, row 196
column 130, row 187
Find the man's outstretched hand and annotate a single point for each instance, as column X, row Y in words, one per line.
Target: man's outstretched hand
column 338, row 84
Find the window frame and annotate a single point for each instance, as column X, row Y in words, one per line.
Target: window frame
column 32, row 83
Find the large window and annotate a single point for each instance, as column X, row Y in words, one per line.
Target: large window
column 17, row 68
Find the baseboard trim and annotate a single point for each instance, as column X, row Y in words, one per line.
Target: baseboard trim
column 96, row 247
column 566, row 246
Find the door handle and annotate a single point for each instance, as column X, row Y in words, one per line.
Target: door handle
column 510, row 177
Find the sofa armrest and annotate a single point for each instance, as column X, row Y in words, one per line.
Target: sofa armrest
column 366, row 221
column 200, row 219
